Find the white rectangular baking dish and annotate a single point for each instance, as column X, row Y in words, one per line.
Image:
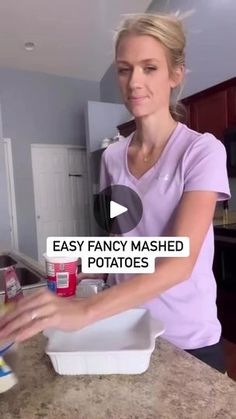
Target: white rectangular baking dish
column 121, row 344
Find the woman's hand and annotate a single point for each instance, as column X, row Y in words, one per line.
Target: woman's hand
column 40, row 311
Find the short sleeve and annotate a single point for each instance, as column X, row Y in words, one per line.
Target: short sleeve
column 205, row 167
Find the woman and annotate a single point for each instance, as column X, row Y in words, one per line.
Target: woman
column 179, row 175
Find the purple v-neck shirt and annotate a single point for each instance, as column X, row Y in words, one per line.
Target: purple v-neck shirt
column 190, row 162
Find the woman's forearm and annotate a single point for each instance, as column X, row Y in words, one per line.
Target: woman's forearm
column 138, row 290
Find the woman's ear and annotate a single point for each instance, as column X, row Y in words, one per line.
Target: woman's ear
column 177, row 76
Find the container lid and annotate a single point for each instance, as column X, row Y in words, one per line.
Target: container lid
column 55, row 259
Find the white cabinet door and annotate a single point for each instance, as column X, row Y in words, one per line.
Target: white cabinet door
column 60, row 192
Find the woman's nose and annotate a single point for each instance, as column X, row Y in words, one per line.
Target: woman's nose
column 135, row 79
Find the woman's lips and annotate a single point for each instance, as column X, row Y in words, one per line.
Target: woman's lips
column 137, row 99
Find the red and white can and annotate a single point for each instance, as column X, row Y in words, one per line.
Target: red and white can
column 62, row 275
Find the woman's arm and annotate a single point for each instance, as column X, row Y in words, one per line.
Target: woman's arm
column 44, row 310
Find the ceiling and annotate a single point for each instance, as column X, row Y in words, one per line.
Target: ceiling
column 72, row 38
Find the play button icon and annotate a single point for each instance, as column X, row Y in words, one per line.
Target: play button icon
column 118, row 209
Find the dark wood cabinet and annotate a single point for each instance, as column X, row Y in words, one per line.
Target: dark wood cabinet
column 231, row 92
column 213, row 109
column 209, row 114
column 127, row 128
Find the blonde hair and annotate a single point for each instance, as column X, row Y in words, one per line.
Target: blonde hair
column 169, row 31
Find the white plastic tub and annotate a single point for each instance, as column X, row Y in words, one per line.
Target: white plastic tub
column 121, row 344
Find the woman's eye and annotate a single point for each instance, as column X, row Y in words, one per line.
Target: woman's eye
column 149, row 69
column 123, row 70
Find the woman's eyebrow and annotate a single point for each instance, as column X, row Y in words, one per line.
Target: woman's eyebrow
column 147, row 60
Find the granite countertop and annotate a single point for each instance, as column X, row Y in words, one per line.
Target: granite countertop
column 176, row 386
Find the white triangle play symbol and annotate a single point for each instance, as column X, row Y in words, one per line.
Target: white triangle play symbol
column 116, row 209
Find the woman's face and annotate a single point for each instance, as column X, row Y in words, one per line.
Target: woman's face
column 143, row 75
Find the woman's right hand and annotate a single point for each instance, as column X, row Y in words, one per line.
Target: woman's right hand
column 40, row 311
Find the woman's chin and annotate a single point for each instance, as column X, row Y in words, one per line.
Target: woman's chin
column 137, row 112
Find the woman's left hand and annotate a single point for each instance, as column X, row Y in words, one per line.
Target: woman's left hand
column 42, row 310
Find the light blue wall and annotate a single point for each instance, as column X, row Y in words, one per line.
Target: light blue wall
column 5, row 239
column 39, row 108
column 109, row 87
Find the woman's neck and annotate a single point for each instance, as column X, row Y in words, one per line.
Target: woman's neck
column 152, row 132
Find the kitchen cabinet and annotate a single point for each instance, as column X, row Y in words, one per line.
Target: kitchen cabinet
column 213, row 109
column 232, row 105
column 209, row 114
column 127, row 128
column 224, row 268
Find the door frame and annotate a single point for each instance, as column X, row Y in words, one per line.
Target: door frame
column 41, row 145
column 7, row 144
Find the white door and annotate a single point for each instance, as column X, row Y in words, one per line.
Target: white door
column 60, row 192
